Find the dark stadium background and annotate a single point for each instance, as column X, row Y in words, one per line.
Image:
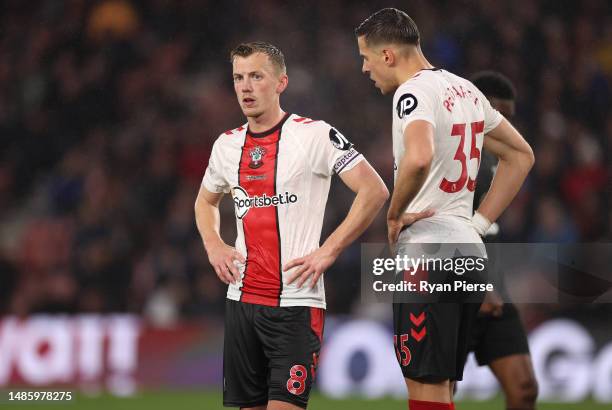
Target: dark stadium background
column 108, row 112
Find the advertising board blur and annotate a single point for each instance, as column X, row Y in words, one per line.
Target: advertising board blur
column 122, row 353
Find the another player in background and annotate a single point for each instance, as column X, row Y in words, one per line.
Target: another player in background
column 498, row 337
column 440, row 124
column 278, row 168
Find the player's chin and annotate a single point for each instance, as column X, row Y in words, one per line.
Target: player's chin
column 380, row 87
column 383, row 90
column 250, row 111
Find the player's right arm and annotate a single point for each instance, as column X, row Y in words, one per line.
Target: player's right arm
column 220, row 255
column 214, row 185
column 515, row 160
column 411, row 175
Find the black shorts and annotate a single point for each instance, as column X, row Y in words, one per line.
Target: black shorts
column 432, row 332
column 431, row 339
column 270, row 353
column 497, row 337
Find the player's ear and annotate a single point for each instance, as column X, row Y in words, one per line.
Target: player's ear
column 388, row 56
column 282, row 83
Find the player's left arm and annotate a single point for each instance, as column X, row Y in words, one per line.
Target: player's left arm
column 515, row 161
column 371, row 194
column 411, row 175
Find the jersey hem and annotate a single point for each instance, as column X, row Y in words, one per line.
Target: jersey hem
column 284, row 303
column 499, row 121
column 213, row 188
column 416, row 118
column 352, row 163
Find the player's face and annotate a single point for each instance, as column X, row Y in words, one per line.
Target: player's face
column 374, row 65
column 258, row 84
column 506, row 107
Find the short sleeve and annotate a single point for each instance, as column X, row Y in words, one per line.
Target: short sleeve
column 412, row 103
column 214, row 179
column 492, row 117
column 330, row 152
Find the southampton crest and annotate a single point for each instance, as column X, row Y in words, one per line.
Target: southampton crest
column 256, row 154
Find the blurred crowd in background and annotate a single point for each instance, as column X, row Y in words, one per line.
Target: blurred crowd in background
column 109, row 109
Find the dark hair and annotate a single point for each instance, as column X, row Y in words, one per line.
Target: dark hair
column 389, row 26
column 494, row 84
column 274, row 54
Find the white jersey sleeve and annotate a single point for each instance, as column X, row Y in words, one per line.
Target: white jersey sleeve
column 415, row 103
column 329, row 151
column 214, row 179
column 492, row 117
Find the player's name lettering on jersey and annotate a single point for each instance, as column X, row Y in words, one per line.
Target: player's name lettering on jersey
column 243, row 202
column 454, row 92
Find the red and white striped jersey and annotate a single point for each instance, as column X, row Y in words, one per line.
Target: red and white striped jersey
column 279, row 181
column 461, row 116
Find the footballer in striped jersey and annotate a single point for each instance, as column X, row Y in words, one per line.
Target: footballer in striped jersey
column 277, row 168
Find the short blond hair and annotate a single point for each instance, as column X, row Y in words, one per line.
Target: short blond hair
column 274, row 54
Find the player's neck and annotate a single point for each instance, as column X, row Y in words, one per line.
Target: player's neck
column 411, row 66
column 266, row 120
